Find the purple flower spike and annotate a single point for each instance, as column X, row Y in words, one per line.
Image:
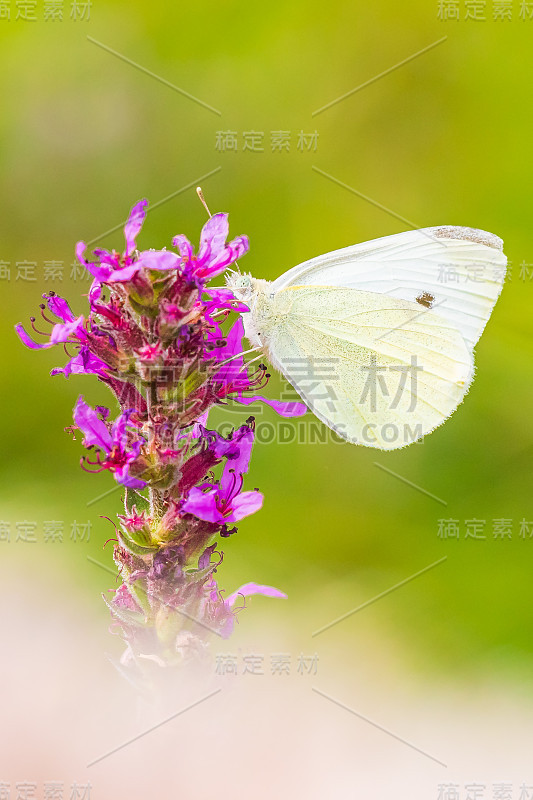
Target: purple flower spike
column 159, row 341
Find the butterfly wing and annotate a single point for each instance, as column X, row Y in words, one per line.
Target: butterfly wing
column 463, row 269
column 378, row 370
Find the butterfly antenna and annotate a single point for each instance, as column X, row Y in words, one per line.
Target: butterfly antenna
column 202, row 200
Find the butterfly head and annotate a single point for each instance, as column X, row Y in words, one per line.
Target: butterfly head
column 242, row 286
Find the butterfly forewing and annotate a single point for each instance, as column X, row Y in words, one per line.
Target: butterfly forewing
column 457, row 271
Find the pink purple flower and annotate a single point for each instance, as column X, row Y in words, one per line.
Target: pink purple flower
column 225, row 502
column 72, row 331
column 214, row 255
column 116, row 443
column 69, row 328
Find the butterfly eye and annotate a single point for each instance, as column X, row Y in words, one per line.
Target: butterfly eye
column 425, row 299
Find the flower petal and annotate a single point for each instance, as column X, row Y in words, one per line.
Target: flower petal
column 203, row 505
column 62, row 331
column 134, row 225
column 232, row 349
column 158, row 260
column 244, row 504
column 122, row 476
column 107, row 271
column 123, row 599
column 80, row 250
column 105, row 257
column 94, row 430
column 199, row 425
column 85, row 363
column 119, row 430
column 100, row 273
column 251, row 588
column 220, row 295
column 284, row 409
column 59, row 307
column 213, row 237
column 244, row 438
column 95, row 292
column 235, row 249
column 224, row 298
column 220, row 299
column 122, row 275
column 26, row 339
column 237, row 451
column 185, row 248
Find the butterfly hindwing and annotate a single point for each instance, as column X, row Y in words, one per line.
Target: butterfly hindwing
column 378, row 370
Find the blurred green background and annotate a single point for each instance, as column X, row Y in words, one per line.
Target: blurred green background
column 443, row 139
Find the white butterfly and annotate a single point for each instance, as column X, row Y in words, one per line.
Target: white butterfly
column 378, row 338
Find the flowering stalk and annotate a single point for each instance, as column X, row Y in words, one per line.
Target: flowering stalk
column 153, row 335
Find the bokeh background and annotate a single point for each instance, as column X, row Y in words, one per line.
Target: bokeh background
column 442, row 139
